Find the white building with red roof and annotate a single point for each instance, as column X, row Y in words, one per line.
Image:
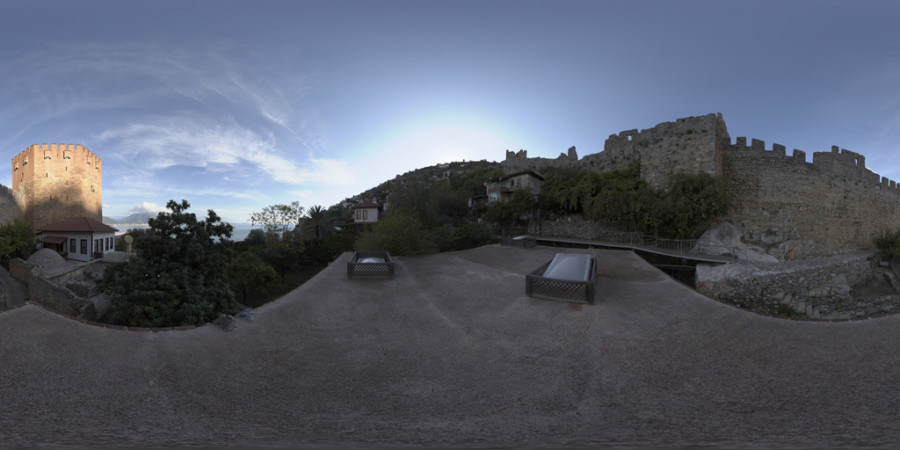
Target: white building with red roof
column 79, row 238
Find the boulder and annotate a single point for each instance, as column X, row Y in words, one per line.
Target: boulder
column 225, row 322
column 719, row 240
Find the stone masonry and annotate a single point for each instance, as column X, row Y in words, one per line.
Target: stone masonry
column 51, row 182
column 833, row 200
column 820, row 288
column 12, row 205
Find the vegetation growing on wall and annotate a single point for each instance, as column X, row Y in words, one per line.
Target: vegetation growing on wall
column 621, row 199
column 888, row 243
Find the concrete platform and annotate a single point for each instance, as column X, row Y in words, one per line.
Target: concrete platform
column 452, row 353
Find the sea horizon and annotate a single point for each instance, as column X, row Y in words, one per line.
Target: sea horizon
column 240, row 232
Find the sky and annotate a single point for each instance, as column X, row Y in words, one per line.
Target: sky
column 237, row 105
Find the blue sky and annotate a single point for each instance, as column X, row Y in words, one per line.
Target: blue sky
column 235, row 105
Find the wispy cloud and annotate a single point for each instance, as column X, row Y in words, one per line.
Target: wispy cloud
column 214, row 110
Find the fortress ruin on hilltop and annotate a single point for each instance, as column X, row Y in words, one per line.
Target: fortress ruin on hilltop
column 834, row 200
column 51, row 182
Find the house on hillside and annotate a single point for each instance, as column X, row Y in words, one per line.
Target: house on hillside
column 500, row 189
column 363, row 216
column 365, row 213
column 477, row 205
column 79, row 238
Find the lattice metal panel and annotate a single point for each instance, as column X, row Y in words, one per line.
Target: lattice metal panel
column 370, row 270
column 539, row 286
column 553, row 289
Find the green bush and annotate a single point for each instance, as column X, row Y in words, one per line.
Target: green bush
column 249, row 273
column 621, row 199
column 512, row 212
column 16, row 241
column 399, row 233
column 888, row 243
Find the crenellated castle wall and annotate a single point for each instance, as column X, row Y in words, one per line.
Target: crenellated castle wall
column 58, row 181
column 833, row 200
column 688, row 145
column 516, row 161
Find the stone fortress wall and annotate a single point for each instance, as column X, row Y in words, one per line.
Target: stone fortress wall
column 56, row 181
column 834, row 200
column 12, row 205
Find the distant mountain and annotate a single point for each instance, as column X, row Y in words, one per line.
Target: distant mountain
column 137, row 218
column 139, row 215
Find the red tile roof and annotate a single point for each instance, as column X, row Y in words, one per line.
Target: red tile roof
column 83, row 224
column 365, row 205
column 54, row 240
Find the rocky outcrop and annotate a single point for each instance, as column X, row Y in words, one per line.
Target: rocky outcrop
column 820, row 288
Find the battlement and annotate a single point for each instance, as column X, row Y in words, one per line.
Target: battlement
column 838, row 162
column 828, row 197
column 58, row 181
column 521, row 154
column 758, row 145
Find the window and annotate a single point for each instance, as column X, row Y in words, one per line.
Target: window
column 46, row 154
column 72, row 246
column 83, row 247
column 97, row 247
column 365, row 214
column 358, row 214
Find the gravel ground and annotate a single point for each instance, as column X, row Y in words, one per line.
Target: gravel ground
column 451, row 353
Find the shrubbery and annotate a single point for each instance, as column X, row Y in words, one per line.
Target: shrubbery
column 889, row 243
column 16, row 241
column 621, row 199
column 177, row 276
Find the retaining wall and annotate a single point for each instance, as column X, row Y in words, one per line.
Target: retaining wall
column 48, row 294
column 818, row 288
column 11, row 205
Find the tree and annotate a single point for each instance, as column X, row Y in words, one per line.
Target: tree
column 178, row 275
column 315, row 219
column 249, row 273
column 277, row 220
column 256, row 237
column 282, row 257
column 511, row 212
column 16, row 241
column 400, row 233
column 138, row 235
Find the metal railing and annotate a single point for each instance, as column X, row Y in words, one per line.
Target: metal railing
column 673, row 247
column 637, row 240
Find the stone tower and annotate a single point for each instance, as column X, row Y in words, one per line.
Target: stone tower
column 58, row 181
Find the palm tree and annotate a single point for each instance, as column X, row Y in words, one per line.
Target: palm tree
column 315, row 215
